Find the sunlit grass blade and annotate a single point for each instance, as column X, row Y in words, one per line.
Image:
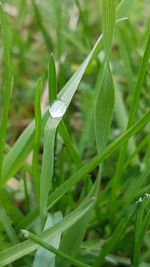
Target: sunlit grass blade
column 7, row 87
column 108, row 24
column 37, row 138
column 42, row 256
column 52, row 79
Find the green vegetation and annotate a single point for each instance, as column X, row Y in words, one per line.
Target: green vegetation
column 74, row 133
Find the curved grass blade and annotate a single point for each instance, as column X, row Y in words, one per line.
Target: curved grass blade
column 38, row 131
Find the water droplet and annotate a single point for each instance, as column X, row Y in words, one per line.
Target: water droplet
column 57, row 109
column 147, row 195
column 139, row 200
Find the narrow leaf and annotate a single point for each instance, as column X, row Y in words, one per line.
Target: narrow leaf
column 108, row 23
column 44, row 257
column 38, row 131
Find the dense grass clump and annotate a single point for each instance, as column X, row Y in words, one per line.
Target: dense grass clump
column 74, row 133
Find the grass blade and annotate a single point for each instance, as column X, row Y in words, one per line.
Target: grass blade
column 7, row 89
column 52, row 80
column 88, row 167
column 104, row 109
column 38, row 131
column 133, row 110
column 9, row 255
column 108, row 23
column 7, row 225
column 43, row 257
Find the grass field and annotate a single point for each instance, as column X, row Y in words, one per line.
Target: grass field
column 75, row 133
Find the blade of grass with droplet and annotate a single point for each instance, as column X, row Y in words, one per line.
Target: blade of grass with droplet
column 9, row 255
column 42, row 256
column 7, row 88
column 16, row 156
column 133, row 110
column 52, row 249
column 37, row 138
column 108, row 24
column 91, row 165
column 52, row 80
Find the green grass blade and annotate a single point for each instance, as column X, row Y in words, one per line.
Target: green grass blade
column 92, row 164
column 141, row 223
column 7, row 89
column 116, row 236
column 69, row 144
column 16, row 156
column 43, row 257
column 108, row 24
column 47, row 165
column 124, row 7
column 46, row 35
column 52, row 249
column 133, row 110
column 37, row 138
column 12, row 210
column 7, row 225
column 104, row 109
column 9, row 255
column 52, row 79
